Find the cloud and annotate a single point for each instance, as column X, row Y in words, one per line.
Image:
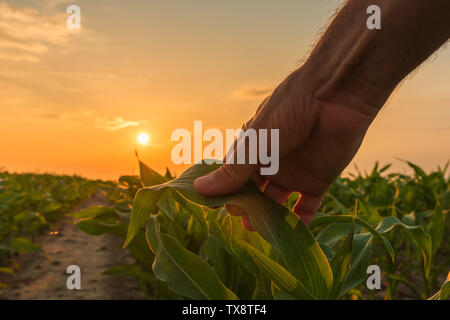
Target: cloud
column 18, row 57
column 56, row 3
column 116, row 124
column 250, row 93
column 88, row 117
column 26, row 33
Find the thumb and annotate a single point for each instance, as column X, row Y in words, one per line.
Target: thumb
column 227, row 179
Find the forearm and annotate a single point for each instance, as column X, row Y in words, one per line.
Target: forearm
column 353, row 63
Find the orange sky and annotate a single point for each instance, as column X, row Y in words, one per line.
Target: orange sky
column 74, row 102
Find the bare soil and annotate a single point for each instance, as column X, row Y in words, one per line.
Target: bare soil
column 43, row 276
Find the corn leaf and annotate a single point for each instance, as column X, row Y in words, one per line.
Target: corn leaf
column 278, row 274
column 361, row 249
column 419, row 237
column 340, row 264
column 183, row 271
column 296, row 246
column 93, row 212
column 150, row 177
column 444, row 292
column 347, row 219
column 436, row 227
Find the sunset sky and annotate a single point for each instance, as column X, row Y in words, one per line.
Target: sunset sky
column 75, row 101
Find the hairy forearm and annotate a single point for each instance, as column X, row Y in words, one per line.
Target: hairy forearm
column 354, row 65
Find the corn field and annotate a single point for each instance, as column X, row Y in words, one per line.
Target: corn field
column 187, row 247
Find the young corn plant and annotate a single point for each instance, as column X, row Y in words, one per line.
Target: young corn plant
column 29, row 205
column 418, row 201
column 186, row 250
column 283, row 259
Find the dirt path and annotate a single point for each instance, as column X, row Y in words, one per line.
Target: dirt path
column 42, row 277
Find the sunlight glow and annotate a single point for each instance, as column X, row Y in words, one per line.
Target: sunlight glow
column 143, row 138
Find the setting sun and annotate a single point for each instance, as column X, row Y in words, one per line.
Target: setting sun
column 143, row 138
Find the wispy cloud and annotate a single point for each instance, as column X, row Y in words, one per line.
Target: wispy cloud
column 56, row 3
column 26, row 33
column 116, row 124
column 80, row 116
column 18, row 57
column 250, row 93
column 88, row 117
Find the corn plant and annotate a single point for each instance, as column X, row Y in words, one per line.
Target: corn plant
column 419, row 200
column 29, row 204
column 185, row 249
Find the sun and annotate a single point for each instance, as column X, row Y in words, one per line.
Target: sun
column 143, row 138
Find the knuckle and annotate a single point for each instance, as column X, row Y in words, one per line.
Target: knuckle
column 229, row 172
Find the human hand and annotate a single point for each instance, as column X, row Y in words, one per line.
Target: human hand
column 317, row 141
column 324, row 109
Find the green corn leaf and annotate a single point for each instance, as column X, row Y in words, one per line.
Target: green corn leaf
column 358, row 252
column 418, row 171
column 405, row 282
column 150, row 177
column 348, row 219
column 295, row 244
column 51, row 207
column 166, row 203
column 21, row 245
column 238, row 236
column 278, row 274
column 144, row 205
column 93, row 212
column 167, row 206
column 263, row 289
column 338, row 204
column 279, row 294
column 436, row 228
column 95, row 227
column 420, row 238
column 329, row 252
column 332, row 233
column 340, row 264
column 217, row 230
column 361, row 249
column 444, row 292
column 193, row 209
column 183, row 271
column 230, row 236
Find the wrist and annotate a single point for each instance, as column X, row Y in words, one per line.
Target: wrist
column 340, row 85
